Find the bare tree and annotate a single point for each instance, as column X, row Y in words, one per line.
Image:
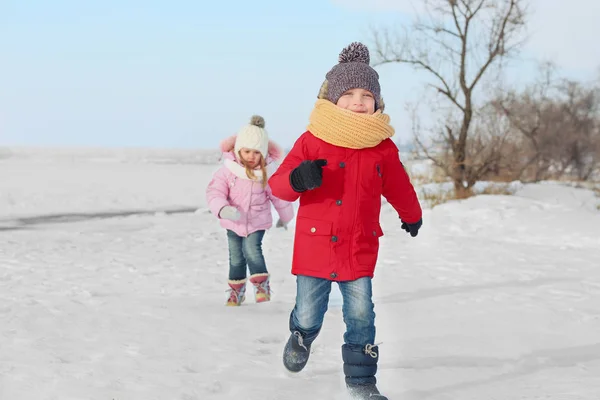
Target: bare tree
column 529, row 116
column 456, row 44
column 489, row 144
column 581, row 112
column 557, row 127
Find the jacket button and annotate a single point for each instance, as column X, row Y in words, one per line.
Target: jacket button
column 339, row 202
column 374, row 233
column 333, row 275
column 334, row 238
column 342, row 164
column 313, row 229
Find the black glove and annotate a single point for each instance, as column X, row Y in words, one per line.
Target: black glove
column 413, row 229
column 308, row 175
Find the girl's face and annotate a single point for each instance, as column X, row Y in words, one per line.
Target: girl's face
column 357, row 100
column 250, row 157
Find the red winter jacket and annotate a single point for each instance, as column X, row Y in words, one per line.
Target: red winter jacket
column 337, row 227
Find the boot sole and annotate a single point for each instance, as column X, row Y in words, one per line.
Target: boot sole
column 233, row 304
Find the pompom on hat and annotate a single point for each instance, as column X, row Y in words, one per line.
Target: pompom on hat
column 352, row 71
column 253, row 136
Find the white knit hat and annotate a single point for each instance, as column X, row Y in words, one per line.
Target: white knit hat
column 253, row 136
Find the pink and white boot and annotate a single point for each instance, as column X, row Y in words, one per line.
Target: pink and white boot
column 237, row 292
column 262, row 290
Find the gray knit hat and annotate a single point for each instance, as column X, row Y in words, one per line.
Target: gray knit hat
column 352, row 71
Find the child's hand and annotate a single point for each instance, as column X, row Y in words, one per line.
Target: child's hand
column 413, row 229
column 229, row 212
column 281, row 224
column 308, row 175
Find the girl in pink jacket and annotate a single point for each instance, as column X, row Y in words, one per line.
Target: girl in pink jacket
column 241, row 198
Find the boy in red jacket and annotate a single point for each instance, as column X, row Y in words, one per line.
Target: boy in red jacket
column 339, row 168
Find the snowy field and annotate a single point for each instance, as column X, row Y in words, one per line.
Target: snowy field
column 113, row 278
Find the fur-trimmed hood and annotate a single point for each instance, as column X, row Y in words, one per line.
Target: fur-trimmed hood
column 227, row 146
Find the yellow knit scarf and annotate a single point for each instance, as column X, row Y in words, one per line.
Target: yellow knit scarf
column 345, row 128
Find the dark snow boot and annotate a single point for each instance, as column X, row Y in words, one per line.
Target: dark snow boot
column 360, row 367
column 295, row 353
column 365, row 392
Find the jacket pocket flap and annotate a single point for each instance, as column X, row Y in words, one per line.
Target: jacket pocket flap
column 314, row 227
column 372, row 229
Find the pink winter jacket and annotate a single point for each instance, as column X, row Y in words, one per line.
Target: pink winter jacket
column 230, row 186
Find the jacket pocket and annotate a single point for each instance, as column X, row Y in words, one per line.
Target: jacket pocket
column 372, row 179
column 367, row 248
column 334, row 173
column 378, row 179
column 261, row 207
column 312, row 245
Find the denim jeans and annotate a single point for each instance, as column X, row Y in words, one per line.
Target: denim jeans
column 245, row 251
column 312, row 297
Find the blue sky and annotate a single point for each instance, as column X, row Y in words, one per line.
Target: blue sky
column 185, row 73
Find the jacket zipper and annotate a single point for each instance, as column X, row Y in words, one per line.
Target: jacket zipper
column 249, row 204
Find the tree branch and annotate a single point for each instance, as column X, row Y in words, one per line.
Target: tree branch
column 499, row 45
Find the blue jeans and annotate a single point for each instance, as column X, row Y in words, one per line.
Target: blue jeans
column 312, row 297
column 245, row 251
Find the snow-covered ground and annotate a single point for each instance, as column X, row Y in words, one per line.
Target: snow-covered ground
column 112, row 286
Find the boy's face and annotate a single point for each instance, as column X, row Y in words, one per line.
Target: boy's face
column 357, row 100
column 250, row 157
